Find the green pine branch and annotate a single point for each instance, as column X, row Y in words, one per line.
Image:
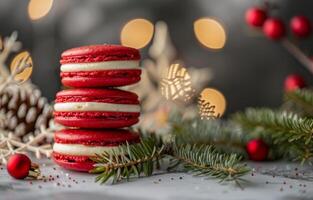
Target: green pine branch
column 143, row 159
column 300, row 100
column 205, row 160
column 288, row 130
column 225, row 136
column 128, row 160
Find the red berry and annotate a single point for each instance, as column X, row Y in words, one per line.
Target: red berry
column 300, row 26
column 293, row 82
column 255, row 16
column 257, row 150
column 18, row 166
column 274, row 28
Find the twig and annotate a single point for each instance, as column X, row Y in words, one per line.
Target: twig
column 298, row 54
column 4, row 72
column 9, row 144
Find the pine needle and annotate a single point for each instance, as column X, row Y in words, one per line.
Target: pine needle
column 127, row 161
column 290, row 131
column 301, row 100
column 206, row 161
column 225, row 136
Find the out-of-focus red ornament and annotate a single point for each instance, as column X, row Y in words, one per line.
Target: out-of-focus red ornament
column 274, row 28
column 300, row 26
column 20, row 166
column 256, row 16
column 293, row 82
column 257, row 150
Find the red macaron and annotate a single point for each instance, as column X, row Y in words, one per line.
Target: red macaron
column 96, row 108
column 73, row 148
column 100, row 66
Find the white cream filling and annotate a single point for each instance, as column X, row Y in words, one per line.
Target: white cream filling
column 96, row 106
column 107, row 65
column 81, row 150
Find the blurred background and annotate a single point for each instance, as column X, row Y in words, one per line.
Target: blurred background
column 244, row 65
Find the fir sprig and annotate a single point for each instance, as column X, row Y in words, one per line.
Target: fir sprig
column 225, row 136
column 205, row 160
column 143, row 159
column 128, row 160
column 290, row 131
column 301, row 101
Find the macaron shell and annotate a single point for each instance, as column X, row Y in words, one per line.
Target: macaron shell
column 99, row 53
column 96, row 137
column 76, row 163
column 87, row 81
column 97, row 95
column 107, row 120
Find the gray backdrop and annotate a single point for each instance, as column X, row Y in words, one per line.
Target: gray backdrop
column 249, row 70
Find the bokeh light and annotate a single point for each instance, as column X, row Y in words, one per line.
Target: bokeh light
column 19, row 60
column 137, row 33
column 212, row 103
column 210, row 33
column 39, row 8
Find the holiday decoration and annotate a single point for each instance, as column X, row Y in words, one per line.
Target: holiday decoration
column 300, row 26
column 26, row 117
column 156, row 74
column 274, row 28
column 19, row 166
column 177, row 84
column 293, row 82
column 256, row 16
column 25, row 110
column 212, row 104
column 10, row 144
column 257, row 150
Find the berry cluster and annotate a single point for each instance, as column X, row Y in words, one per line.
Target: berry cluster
column 273, row 27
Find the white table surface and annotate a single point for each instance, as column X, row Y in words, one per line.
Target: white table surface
column 72, row 185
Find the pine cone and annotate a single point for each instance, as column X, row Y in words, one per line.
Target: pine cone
column 24, row 110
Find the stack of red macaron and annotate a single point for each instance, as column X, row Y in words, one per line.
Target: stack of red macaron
column 95, row 113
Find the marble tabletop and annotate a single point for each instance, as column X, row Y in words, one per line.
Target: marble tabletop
column 268, row 180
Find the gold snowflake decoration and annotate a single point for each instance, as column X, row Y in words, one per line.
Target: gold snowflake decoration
column 177, row 84
column 207, row 110
column 211, row 103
